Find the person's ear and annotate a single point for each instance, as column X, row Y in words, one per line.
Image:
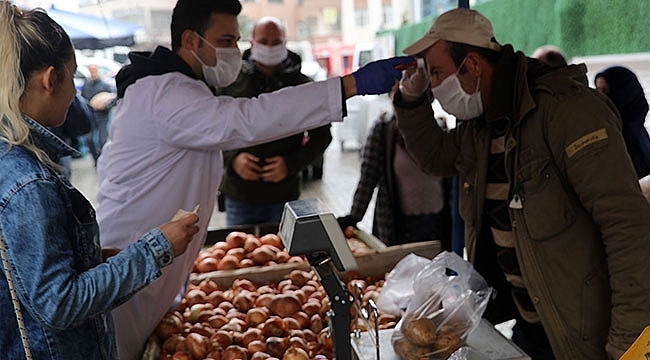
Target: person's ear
column 49, row 79
column 473, row 64
column 189, row 40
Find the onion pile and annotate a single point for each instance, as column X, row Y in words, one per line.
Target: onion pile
column 241, row 250
column 278, row 320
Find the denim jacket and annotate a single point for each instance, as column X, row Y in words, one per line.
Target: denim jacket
column 65, row 290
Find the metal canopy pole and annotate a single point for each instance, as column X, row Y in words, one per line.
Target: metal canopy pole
column 463, row 4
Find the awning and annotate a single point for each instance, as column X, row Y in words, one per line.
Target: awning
column 92, row 32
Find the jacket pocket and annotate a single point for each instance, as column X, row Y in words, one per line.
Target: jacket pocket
column 594, row 329
column 547, row 207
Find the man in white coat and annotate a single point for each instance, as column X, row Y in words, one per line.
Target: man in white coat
column 168, row 132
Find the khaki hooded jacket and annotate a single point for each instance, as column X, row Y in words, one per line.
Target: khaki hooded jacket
column 583, row 228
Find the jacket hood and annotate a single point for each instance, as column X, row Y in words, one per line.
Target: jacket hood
column 146, row 63
column 511, row 67
column 292, row 64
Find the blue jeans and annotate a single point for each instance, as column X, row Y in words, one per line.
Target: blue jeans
column 242, row 213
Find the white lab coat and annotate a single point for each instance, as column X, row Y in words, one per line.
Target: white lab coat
column 164, row 154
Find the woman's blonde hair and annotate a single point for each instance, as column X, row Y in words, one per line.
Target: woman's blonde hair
column 29, row 41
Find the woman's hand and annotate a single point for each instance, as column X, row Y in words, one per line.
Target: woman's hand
column 181, row 229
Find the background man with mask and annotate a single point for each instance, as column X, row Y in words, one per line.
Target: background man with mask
column 259, row 179
column 555, row 219
column 168, row 132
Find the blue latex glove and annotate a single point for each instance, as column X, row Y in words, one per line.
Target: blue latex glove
column 378, row 77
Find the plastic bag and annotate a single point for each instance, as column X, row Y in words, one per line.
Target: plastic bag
column 397, row 291
column 448, row 303
column 467, row 353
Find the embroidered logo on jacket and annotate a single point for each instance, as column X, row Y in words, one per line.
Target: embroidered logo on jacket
column 585, row 141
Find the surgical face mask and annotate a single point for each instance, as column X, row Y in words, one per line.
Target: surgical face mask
column 269, row 55
column 226, row 70
column 455, row 100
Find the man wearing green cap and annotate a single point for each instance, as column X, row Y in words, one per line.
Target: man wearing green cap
column 555, row 219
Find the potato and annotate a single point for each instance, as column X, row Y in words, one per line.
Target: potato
column 409, row 351
column 447, row 341
column 419, row 331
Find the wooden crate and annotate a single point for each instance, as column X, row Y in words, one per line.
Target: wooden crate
column 376, row 262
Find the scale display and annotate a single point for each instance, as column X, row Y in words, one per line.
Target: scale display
column 308, row 228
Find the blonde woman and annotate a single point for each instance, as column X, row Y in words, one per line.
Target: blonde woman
column 56, row 290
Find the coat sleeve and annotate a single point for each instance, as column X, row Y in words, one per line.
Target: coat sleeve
column 432, row 148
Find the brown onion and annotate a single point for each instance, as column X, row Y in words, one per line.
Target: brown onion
column 257, row 315
column 272, row 239
column 264, row 300
column 238, row 252
column 299, row 277
column 228, row 262
column 261, row 255
column 236, row 239
column 256, row 346
column 282, row 257
column 195, row 296
column 316, row 323
column 302, row 318
column 208, row 264
column 295, row 353
column 291, row 323
column 276, row 346
column 197, row 345
column 170, row 324
column 243, row 284
column 246, row 263
column 222, row 337
column 285, row 305
column 244, row 300
column 170, row 346
column 234, row 352
column 251, row 243
column 274, row 326
column 298, row 342
column 217, row 321
column 249, row 335
column 181, row 355
column 260, row 355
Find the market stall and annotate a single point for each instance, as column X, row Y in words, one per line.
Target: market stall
column 280, row 305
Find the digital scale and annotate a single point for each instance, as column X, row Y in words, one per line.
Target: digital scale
column 308, row 228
